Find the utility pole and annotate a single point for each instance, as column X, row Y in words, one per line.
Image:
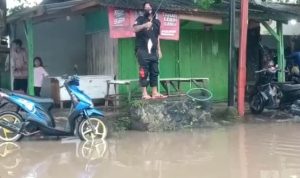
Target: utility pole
column 242, row 57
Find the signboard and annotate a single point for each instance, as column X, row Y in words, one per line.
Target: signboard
column 169, row 29
column 120, row 25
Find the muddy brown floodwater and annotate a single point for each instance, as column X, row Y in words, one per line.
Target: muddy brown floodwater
column 265, row 150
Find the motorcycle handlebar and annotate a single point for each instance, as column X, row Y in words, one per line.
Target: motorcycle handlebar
column 268, row 69
column 259, row 71
column 68, row 79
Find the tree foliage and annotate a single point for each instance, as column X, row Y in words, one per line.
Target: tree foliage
column 205, row 4
column 22, row 4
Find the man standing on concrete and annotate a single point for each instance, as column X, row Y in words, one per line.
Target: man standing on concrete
column 147, row 29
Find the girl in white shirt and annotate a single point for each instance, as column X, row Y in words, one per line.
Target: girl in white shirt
column 39, row 74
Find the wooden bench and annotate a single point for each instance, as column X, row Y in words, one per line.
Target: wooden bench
column 175, row 83
column 165, row 82
column 115, row 83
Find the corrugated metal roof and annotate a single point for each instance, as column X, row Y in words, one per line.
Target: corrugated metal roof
column 53, row 1
column 264, row 11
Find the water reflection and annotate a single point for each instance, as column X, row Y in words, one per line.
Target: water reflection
column 70, row 158
column 240, row 151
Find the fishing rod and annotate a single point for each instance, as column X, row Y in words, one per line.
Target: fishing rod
column 158, row 8
column 156, row 11
column 158, row 88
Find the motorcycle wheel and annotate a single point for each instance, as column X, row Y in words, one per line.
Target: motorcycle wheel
column 5, row 134
column 256, row 104
column 92, row 150
column 91, row 129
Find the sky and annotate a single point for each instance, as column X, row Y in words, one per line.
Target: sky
column 13, row 3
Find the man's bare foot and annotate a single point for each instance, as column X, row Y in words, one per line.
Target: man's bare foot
column 146, row 97
column 158, row 96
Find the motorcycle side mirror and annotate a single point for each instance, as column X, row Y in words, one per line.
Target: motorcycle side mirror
column 76, row 69
column 65, row 76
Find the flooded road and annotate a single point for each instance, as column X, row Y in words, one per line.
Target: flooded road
column 265, row 150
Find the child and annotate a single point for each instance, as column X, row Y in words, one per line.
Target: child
column 39, row 74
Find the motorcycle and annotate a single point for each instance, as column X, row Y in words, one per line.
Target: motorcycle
column 270, row 94
column 84, row 120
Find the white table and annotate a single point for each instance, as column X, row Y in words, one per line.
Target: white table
column 95, row 86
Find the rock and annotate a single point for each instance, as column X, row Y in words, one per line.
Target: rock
column 170, row 114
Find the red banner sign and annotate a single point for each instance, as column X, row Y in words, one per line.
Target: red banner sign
column 121, row 23
column 169, row 29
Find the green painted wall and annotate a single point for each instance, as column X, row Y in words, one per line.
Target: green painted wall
column 205, row 54
column 127, row 63
column 199, row 53
column 4, row 75
column 189, row 25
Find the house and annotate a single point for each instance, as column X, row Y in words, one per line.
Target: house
column 77, row 32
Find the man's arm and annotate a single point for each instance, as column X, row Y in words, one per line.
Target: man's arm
column 25, row 60
column 139, row 25
column 158, row 43
column 158, row 48
column 138, row 28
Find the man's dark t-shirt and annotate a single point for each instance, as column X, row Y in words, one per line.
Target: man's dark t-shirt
column 147, row 40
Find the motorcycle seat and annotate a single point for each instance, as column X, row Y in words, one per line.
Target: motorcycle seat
column 45, row 102
column 290, row 87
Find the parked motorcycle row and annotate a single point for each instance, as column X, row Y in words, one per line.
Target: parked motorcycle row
column 273, row 95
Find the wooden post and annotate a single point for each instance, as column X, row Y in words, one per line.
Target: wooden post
column 270, row 30
column 280, row 53
column 242, row 58
column 231, row 83
column 29, row 38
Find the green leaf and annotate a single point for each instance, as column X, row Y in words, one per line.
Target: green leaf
column 205, row 4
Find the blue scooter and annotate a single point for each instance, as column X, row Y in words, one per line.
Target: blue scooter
column 84, row 121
